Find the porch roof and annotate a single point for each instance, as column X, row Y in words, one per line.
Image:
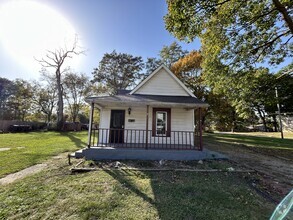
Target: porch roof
column 152, row 100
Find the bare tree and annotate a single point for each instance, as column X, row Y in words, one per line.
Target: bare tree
column 55, row 59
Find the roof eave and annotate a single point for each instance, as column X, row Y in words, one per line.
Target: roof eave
column 104, row 103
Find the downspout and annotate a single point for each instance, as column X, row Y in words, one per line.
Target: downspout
column 90, row 125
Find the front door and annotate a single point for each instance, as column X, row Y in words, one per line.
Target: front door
column 117, row 126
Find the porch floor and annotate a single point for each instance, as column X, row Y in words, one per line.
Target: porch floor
column 111, row 153
column 150, row 146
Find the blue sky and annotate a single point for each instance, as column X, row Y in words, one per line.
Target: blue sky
column 130, row 26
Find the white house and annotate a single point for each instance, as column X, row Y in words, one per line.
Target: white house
column 158, row 113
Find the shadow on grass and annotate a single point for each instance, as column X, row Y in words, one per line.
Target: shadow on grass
column 177, row 195
column 122, row 177
column 77, row 141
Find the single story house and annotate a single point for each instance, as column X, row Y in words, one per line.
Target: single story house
column 160, row 113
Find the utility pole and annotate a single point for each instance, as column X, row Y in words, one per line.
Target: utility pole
column 279, row 113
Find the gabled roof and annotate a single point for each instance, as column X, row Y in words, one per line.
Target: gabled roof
column 139, row 86
column 139, row 100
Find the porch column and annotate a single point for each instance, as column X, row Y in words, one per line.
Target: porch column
column 90, row 125
column 147, row 128
column 200, row 128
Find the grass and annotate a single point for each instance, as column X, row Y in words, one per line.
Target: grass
column 261, row 142
column 27, row 149
column 57, row 194
column 287, row 135
column 252, row 140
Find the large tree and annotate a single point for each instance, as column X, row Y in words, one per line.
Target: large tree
column 238, row 33
column 118, row 70
column 152, row 64
column 7, row 89
column 168, row 55
column 172, row 53
column 188, row 70
column 44, row 99
column 76, row 87
column 284, row 84
column 20, row 101
column 55, row 60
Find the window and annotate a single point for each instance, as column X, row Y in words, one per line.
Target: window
column 161, row 122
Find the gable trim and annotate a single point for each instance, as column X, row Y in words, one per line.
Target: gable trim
column 154, row 73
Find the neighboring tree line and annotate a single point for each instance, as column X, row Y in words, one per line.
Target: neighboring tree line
column 236, row 100
column 37, row 100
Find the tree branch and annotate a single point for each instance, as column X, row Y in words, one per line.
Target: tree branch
column 281, row 8
column 269, row 43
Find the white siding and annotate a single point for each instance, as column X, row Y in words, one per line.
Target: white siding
column 181, row 120
column 162, row 84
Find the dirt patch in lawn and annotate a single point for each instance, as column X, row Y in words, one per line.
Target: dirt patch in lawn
column 275, row 173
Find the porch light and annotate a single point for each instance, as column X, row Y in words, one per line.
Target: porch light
column 129, row 110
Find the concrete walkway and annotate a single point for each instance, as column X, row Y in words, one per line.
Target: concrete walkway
column 10, row 178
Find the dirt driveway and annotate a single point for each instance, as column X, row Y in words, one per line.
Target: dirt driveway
column 276, row 174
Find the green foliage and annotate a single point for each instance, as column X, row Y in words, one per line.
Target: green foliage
column 44, row 100
column 6, row 90
column 20, row 101
column 168, row 56
column 152, row 64
column 284, row 83
column 172, row 53
column 76, row 87
column 118, row 70
column 234, row 32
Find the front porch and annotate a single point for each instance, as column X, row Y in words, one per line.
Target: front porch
column 111, row 153
column 143, row 139
column 134, row 144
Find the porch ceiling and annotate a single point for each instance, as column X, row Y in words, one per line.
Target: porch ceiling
column 152, row 100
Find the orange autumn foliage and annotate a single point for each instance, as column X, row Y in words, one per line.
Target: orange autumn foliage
column 188, row 63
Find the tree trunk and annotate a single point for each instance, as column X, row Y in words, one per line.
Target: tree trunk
column 275, row 123
column 263, row 118
column 233, row 121
column 60, row 118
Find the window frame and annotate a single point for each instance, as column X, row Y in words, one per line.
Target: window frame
column 168, row 122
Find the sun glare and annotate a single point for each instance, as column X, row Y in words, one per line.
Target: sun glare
column 29, row 28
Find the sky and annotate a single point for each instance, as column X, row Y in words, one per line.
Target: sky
column 28, row 28
column 129, row 26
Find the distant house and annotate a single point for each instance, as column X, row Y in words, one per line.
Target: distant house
column 159, row 114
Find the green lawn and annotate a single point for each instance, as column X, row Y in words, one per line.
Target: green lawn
column 251, row 140
column 57, row 194
column 27, row 149
column 260, row 142
column 287, row 135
